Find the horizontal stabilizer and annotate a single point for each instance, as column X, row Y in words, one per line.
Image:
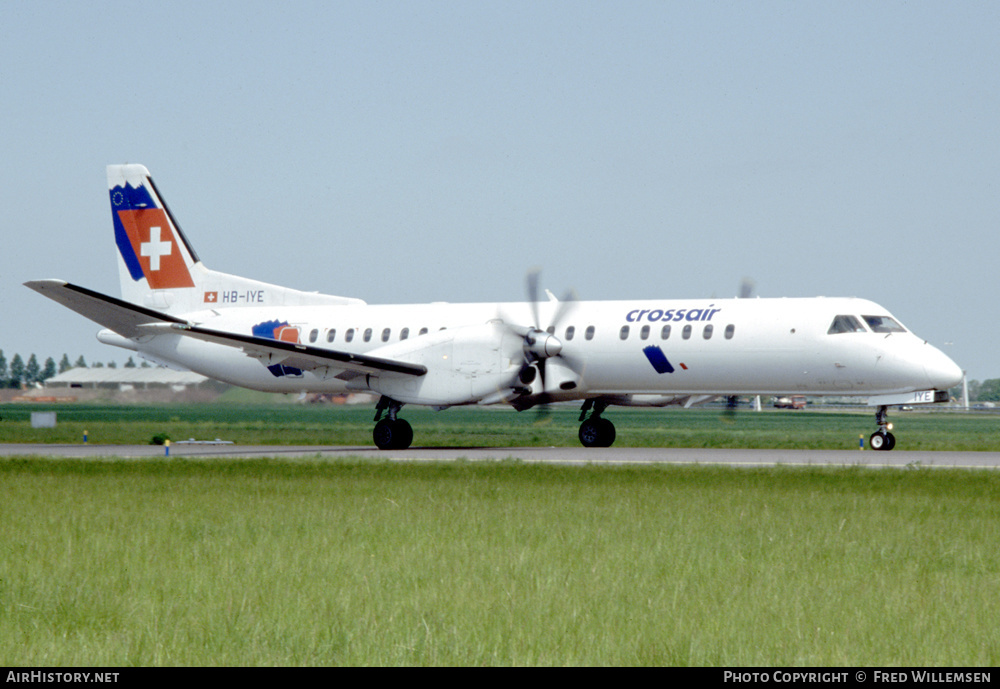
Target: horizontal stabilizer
column 121, row 316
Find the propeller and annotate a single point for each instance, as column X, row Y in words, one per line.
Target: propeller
column 543, row 350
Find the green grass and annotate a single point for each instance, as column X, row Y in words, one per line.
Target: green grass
column 374, row 562
column 294, row 424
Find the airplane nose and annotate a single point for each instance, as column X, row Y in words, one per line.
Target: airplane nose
column 942, row 372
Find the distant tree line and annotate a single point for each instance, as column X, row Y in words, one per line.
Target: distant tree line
column 18, row 373
column 986, row 391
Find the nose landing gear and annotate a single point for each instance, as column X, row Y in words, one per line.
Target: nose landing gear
column 882, row 439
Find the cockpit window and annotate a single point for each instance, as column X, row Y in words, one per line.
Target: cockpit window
column 845, row 324
column 883, row 324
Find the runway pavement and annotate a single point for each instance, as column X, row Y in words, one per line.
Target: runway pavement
column 555, row 455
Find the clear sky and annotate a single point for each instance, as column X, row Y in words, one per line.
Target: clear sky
column 435, row 151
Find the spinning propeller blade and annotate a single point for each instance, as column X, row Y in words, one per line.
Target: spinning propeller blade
column 540, row 344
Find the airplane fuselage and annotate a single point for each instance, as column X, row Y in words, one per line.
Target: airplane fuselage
column 703, row 347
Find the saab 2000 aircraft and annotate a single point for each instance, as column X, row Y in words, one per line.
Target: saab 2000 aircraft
column 175, row 311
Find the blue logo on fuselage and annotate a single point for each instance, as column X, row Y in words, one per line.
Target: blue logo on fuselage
column 271, row 330
column 658, row 359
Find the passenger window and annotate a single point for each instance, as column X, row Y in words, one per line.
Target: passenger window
column 623, row 333
column 404, row 333
column 707, row 332
column 331, row 334
column 686, row 333
column 644, row 333
column 845, row 324
column 883, row 324
column 368, row 335
column 313, row 334
column 385, row 334
column 423, row 331
column 665, row 332
column 730, row 331
column 349, row 335
column 589, row 334
column 570, row 332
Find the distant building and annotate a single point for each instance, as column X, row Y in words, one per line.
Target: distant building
column 125, row 379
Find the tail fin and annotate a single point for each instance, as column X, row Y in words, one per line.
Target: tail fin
column 154, row 253
column 160, row 270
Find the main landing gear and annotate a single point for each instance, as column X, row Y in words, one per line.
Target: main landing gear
column 391, row 433
column 595, row 431
column 882, row 439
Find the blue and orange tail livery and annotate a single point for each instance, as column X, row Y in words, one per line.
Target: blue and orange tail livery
column 150, row 245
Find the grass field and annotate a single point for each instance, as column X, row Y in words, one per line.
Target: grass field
column 358, row 562
column 293, row 424
column 374, row 562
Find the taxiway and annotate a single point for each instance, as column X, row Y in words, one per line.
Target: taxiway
column 554, row 455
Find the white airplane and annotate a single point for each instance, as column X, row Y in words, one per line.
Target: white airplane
column 175, row 311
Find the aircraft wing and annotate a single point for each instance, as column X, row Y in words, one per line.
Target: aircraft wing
column 133, row 321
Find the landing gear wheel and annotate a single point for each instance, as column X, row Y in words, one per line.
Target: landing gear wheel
column 404, row 431
column 882, row 441
column 589, row 434
column 597, row 433
column 384, row 434
column 876, row 441
column 392, row 434
column 607, row 432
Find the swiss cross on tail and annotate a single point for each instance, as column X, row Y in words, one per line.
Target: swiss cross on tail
column 153, row 242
